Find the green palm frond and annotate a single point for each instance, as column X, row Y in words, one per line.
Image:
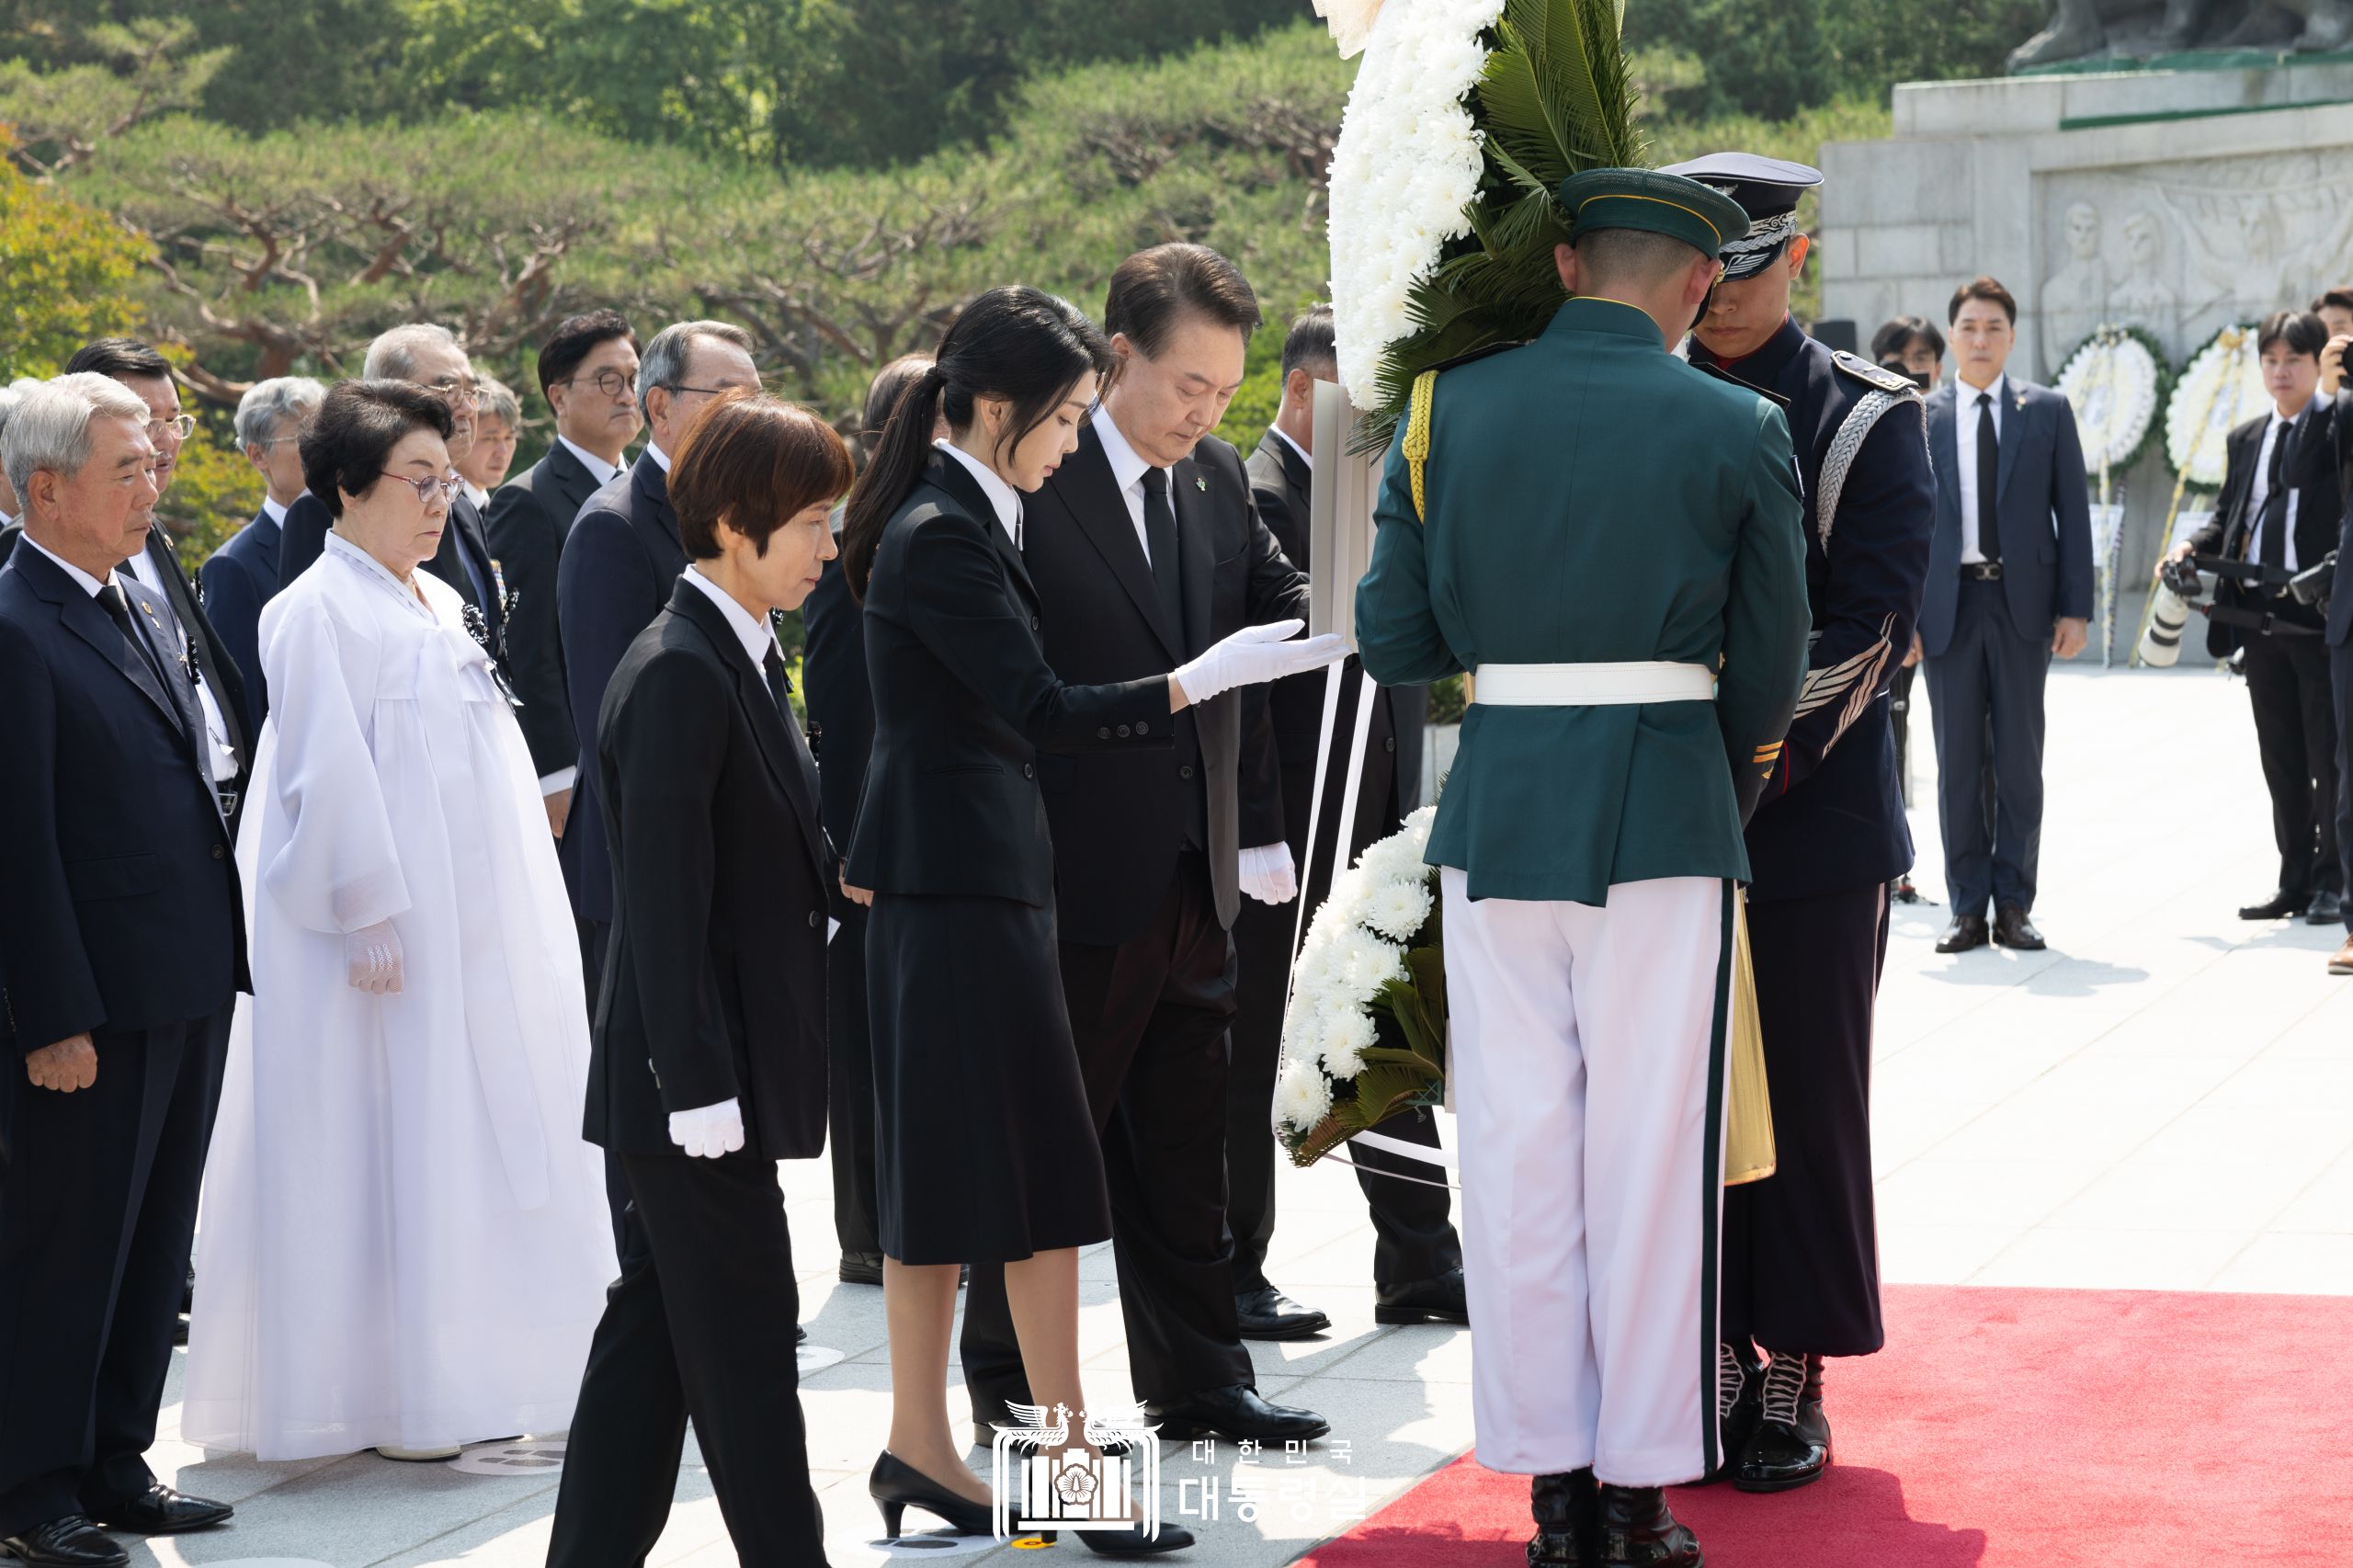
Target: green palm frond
column 1556, row 98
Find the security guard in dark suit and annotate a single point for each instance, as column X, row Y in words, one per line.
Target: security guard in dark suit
column 1801, row 1266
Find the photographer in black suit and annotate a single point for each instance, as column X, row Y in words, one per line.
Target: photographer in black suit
column 125, row 937
column 2280, row 508
column 1145, row 548
column 587, row 370
column 708, row 1058
column 1416, row 1256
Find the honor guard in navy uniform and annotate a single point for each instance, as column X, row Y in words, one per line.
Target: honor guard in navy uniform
column 1800, row 1263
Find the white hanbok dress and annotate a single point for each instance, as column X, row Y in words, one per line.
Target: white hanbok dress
column 405, row 1240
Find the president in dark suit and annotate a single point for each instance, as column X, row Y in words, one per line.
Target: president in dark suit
column 1145, row 550
column 124, row 931
column 620, row 560
column 708, row 1058
column 429, row 357
column 240, row 577
column 2009, row 585
column 587, row 370
column 2280, row 509
column 1416, row 1256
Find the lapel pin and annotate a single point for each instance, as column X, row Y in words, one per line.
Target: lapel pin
column 1200, row 485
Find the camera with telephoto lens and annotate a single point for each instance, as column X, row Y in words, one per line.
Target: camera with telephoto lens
column 2311, row 585
column 2178, row 585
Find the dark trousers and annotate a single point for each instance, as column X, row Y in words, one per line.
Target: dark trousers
column 594, row 936
column 849, row 1087
column 96, row 1219
column 1149, row 1017
column 1800, row 1248
column 1990, row 673
column 699, row 1324
column 2340, row 671
column 2295, row 729
column 1413, row 1239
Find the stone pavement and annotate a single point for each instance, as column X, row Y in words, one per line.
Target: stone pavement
column 2164, row 1100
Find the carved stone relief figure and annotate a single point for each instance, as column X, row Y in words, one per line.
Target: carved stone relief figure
column 2074, row 300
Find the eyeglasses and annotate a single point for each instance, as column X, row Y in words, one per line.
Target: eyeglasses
column 180, row 427
column 425, row 488
column 457, row 394
column 609, row 382
column 709, row 391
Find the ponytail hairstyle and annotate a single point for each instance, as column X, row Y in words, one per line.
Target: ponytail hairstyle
column 1019, row 344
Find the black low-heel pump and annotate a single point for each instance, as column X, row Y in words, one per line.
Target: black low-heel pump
column 896, row 1486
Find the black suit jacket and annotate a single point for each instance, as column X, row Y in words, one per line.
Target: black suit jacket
column 841, row 703
column 620, row 560
column 2340, row 441
column 122, row 910
column 965, row 702
column 239, row 579
column 1120, row 820
column 1283, row 722
column 715, row 979
column 528, row 522
column 2309, row 469
column 303, row 538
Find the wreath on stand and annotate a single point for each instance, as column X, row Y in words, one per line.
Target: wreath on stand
column 2115, row 380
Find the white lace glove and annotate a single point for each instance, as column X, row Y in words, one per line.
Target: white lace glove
column 371, row 959
column 1268, row 874
column 1258, row 653
column 707, row 1133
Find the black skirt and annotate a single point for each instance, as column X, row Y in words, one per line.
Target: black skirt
column 984, row 1149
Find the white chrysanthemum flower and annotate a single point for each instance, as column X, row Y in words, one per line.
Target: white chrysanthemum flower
column 1397, row 909
column 1348, row 1035
column 2221, row 388
column 1406, row 164
column 1368, row 962
column 1303, row 1097
column 1343, row 906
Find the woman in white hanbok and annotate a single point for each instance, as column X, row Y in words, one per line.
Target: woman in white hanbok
column 404, row 1242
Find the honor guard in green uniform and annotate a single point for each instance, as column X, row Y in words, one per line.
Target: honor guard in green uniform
column 1611, row 542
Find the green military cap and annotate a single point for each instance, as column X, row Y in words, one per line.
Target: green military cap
column 1700, row 215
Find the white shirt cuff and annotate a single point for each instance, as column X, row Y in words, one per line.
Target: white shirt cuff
column 556, row 783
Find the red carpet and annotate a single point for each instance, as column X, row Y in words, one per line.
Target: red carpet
column 2012, row 1429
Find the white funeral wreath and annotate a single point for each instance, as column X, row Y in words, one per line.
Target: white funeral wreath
column 2112, row 382
column 2221, row 386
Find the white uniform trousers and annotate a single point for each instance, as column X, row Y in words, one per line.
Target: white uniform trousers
column 1589, row 1072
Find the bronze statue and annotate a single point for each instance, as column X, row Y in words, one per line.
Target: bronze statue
column 2088, row 29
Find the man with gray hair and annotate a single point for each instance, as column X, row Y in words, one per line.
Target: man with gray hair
column 124, row 932
column 430, row 357
column 241, row 576
column 10, row 395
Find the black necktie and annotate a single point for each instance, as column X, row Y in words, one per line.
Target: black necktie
column 1160, row 539
column 1989, row 481
column 2271, row 527
column 117, row 604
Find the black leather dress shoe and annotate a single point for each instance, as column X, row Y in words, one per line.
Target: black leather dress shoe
column 1638, row 1532
column 799, row 1335
column 1568, row 1520
column 1425, row 1300
column 1740, row 1402
column 1266, row 1313
column 1966, row 931
column 2281, row 905
column 2328, row 909
column 70, row 1542
column 1235, row 1412
column 1791, row 1444
column 162, row 1511
column 862, row 1268
column 2013, row 930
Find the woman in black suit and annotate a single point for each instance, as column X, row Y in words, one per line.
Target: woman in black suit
column 986, row 1150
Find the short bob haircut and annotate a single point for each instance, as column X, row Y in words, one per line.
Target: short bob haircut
column 1896, row 338
column 754, row 462
column 359, row 423
column 2300, row 332
column 1981, row 287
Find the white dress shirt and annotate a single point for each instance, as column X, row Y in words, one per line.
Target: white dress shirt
column 598, row 468
column 274, row 512
column 81, row 579
column 660, row 459
column 475, row 493
column 142, row 570
column 1127, row 473
column 753, row 631
column 1003, row 496
column 2273, row 432
column 1965, row 457
column 1304, row 455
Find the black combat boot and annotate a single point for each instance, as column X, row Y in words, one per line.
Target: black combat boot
column 1791, row 1446
column 1740, row 1394
column 1638, row 1532
column 1568, row 1520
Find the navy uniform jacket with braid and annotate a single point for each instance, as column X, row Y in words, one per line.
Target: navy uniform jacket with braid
column 1832, row 818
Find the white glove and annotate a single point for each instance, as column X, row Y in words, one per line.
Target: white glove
column 1268, row 874
column 1258, row 653
column 713, row 1131
column 371, row 959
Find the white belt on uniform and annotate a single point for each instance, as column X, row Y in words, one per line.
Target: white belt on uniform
column 1592, row 685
